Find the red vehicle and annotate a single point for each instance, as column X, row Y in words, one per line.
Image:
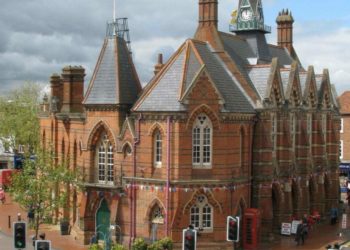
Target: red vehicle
column 5, row 177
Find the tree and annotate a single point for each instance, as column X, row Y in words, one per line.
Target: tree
column 32, row 187
column 19, row 123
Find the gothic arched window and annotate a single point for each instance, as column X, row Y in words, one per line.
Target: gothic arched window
column 201, row 214
column 202, row 141
column 157, row 148
column 105, row 161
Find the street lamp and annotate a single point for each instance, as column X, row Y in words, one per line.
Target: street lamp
column 106, row 237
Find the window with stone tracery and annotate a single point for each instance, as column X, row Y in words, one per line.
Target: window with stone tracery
column 105, row 161
column 324, row 127
column 309, row 130
column 202, row 142
column 201, row 214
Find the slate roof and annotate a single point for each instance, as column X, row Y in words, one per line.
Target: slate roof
column 303, row 78
column 165, row 93
column 114, row 80
column 260, row 76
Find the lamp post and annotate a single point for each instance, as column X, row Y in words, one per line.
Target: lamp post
column 106, row 237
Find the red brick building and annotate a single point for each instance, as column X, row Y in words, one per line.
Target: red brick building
column 229, row 122
column 344, row 101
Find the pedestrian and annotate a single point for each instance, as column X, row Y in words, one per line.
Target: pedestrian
column 334, row 215
column 2, row 195
column 93, row 239
column 300, row 234
column 42, row 236
column 31, row 216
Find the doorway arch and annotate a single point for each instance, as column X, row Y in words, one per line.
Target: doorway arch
column 103, row 215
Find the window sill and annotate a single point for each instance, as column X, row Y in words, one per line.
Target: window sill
column 205, row 231
column 201, row 167
column 158, row 165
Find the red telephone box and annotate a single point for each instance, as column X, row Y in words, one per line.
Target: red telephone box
column 251, row 228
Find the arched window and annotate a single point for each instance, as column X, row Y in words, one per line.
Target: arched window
column 105, row 161
column 202, row 141
column 127, row 150
column 202, row 214
column 324, row 127
column 292, row 127
column 157, row 148
column 274, row 134
column 309, row 130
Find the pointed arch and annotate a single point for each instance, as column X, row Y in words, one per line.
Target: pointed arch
column 156, row 126
column 206, row 110
column 325, row 92
column 150, row 209
column 96, row 132
column 210, row 197
column 126, row 148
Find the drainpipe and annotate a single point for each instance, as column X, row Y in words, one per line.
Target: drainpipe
column 167, row 197
column 133, row 191
column 251, row 148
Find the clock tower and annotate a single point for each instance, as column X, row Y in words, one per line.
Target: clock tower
column 248, row 23
column 249, row 16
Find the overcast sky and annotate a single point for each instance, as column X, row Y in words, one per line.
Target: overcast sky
column 40, row 37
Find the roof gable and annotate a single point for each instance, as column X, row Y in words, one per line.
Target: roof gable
column 310, row 91
column 293, row 92
column 274, row 90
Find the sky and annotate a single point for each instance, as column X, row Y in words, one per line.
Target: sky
column 40, row 37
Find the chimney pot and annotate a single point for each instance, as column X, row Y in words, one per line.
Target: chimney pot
column 158, row 67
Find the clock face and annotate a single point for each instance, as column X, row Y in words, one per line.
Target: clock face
column 246, row 15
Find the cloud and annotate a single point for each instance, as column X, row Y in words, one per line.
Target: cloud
column 40, row 37
column 326, row 48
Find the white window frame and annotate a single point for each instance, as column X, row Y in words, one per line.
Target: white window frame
column 198, row 214
column 341, row 125
column 341, row 149
column 105, row 161
column 158, row 151
column 202, row 140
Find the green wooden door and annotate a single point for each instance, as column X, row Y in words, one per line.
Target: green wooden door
column 103, row 221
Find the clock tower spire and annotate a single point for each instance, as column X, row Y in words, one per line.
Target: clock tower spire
column 250, row 17
column 248, row 23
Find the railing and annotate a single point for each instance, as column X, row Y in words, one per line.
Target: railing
column 249, row 26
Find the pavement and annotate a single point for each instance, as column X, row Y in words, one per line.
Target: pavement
column 9, row 210
column 319, row 237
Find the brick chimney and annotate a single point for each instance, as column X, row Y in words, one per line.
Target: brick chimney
column 285, row 30
column 73, row 89
column 56, row 92
column 208, row 12
column 158, row 67
column 207, row 30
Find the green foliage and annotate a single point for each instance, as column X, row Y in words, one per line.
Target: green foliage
column 139, row 244
column 95, row 247
column 163, row 244
column 118, row 247
column 35, row 185
column 19, row 123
